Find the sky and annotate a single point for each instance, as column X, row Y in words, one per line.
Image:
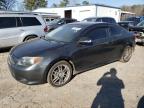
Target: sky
column 116, row 3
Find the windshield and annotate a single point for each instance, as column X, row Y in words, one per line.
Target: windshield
column 141, row 24
column 66, row 33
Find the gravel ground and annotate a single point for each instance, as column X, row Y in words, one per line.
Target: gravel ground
column 87, row 90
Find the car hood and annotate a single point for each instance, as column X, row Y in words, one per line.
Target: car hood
column 35, row 47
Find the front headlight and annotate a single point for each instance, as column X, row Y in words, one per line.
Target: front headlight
column 28, row 61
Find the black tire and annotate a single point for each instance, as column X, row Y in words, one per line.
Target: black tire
column 59, row 74
column 28, row 38
column 126, row 55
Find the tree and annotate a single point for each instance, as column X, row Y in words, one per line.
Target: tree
column 7, row 4
column 138, row 9
column 85, row 3
column 34, row 4
column 77, row 4
column 54, row 5
column 64, row 3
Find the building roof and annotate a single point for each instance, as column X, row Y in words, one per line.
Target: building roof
column 126, row 12
column 103, row 5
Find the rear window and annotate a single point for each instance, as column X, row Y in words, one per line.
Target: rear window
column 109, row 20
column 7, row 22
column 30, row 21
column 105, row 19
column 90, row 20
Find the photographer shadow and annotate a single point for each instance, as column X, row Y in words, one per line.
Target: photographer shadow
column 141, row 103
column 110, row 95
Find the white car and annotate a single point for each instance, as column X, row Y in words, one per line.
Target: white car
column 16, row 28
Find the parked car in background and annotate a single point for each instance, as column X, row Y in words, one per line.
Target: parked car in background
column 139, row 31
column 126, row 24
column 136, row 19
column 48, row 17
column 19, row 27
column 69, row 50
column 100, row 19
column 59, row 22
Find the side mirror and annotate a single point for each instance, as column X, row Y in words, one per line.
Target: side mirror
column 85, row 41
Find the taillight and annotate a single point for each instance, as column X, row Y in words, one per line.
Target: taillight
column 46, row 29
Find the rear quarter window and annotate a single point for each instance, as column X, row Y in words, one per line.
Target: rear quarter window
column 30, row 21
column 7, row 22
column 117, row 31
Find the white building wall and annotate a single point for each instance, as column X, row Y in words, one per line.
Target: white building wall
column 78, row 13
column 82, row 12
column 58, row 11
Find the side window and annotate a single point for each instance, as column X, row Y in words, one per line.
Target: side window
column 68, row 21
column 112, row 20
column 18, row 22
column 30, row 21
column 47, row 20
column 99, row 20
column 105, row 20
column 98, row 33
column 93, row 20
column 62, row 21
column 115, row 31
column 7, row 22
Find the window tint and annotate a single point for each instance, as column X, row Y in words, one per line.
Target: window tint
column 98, row 33
column 30, row 21
column 68, row 21
column 90, row 20
column 19, row 24
column 105, row 19
column 112, row 20
column 99, row 20
column 47, row 20
column 116, row 31
column 7, row 22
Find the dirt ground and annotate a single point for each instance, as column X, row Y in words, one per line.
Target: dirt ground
column 91, row 89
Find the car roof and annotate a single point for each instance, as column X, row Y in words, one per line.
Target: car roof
column 126, row 22
column 90, row 23
column 68, row 18
column 98, row 17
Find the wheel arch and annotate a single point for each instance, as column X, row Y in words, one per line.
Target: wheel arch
column 24, row 38
column 68, row 60
column 131, row 44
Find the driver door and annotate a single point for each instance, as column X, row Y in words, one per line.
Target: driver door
column 95, row 54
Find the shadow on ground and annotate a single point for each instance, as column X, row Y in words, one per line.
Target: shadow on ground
column 140, row 44
column 3, row 50
column 110, row 95
column 141, row 103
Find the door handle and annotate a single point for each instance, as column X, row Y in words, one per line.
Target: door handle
column 104, row 43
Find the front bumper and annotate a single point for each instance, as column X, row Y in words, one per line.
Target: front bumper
column 27, row 75
column 140, row 40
